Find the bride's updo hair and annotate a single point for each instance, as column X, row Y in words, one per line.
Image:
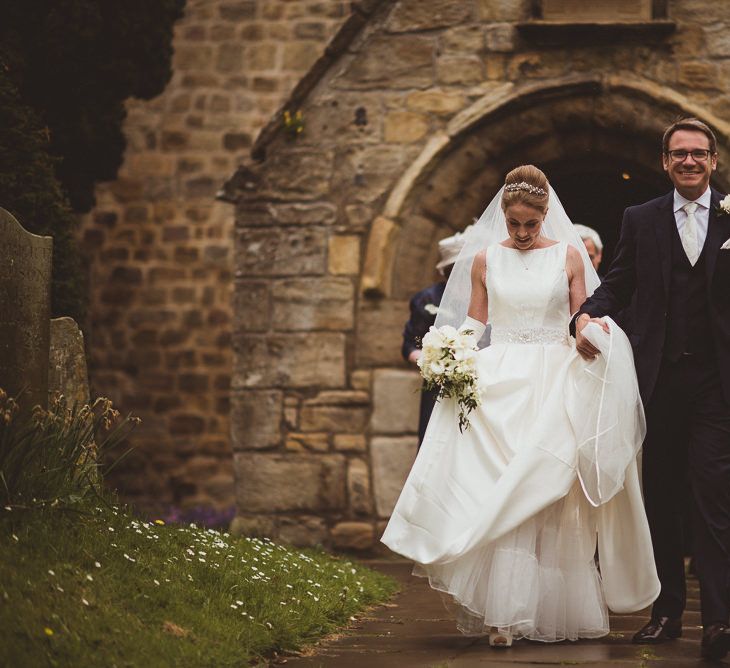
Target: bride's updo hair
column 527, row 185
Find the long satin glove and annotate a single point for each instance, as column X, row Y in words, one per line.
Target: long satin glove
column 475, row 325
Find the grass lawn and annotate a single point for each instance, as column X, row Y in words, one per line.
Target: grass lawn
column 93, row 586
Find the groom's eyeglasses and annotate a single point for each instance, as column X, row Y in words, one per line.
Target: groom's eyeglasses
column 698, row 154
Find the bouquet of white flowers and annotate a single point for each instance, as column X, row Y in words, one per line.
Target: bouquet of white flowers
column 448, row 363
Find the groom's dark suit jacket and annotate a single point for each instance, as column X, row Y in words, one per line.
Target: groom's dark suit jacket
column 643, row 264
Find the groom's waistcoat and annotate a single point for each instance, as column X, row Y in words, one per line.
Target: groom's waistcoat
column 689, row 328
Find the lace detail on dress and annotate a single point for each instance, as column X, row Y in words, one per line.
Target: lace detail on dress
column 538, row 335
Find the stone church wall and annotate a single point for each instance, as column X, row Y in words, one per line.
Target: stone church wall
column 410, row 126
column 160, row 248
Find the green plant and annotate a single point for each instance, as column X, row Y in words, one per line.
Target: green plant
column 293, row 123
column 51, row 457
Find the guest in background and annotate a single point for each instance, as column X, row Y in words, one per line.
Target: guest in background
column 424, row 307
column 593, row 244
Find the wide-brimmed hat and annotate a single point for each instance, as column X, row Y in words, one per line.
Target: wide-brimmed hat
column 449, row 249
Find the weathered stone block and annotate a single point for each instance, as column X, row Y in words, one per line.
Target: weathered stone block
column 281, row 251
column 500, row 37
column 339, row 398
column 464, row 71
column 379, row 258
column 698, row 74
column 436, row 101
column 301, row 55
column 298, row 442
column 353, row 536
column 358, row 216
column 411, row 15
column 277, row 483
column 302, row 531
column 718, row 41
column 360, row 379
column 186, row 424
column 392, row 62
column 462, row 40
column 391, row 460
column 371, row 169
column 336, row 412
column 251, row 306
column 256, row 419
column 230, row 57
column 236, row 141
column 238, row 11
column 358, row 487
column 417, row 255
column 260, row 57
column 404, row 127
column 192, row 57
column 311, row 30
column 396, row 400
column 289, row 360
column 301, row 174
column 347, row 419
column 504, row 10
column 313, row 304
column 343, row 254
column 303, row 213
column 379, row 333
column 350, row 443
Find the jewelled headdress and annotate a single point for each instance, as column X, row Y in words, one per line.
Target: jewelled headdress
column 527, row 187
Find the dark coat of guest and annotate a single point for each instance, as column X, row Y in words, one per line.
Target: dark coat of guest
column 416, row 327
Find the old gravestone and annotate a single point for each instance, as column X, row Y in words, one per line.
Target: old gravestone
column 25, row 311
column 67, row 374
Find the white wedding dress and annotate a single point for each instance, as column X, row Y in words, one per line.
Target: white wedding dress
column 497, row 517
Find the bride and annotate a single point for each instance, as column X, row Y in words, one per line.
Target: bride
column 505, row 518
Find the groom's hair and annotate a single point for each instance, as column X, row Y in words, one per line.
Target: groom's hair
column 693, row 124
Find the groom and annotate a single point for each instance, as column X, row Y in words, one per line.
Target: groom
column 670, row 255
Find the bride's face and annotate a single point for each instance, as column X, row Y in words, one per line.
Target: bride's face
column 524, row 224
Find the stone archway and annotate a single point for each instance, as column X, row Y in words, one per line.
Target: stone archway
column 567, row 125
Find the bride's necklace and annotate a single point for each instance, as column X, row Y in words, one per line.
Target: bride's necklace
column 522, row 254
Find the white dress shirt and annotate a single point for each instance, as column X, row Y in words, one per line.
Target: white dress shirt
column 702, row 215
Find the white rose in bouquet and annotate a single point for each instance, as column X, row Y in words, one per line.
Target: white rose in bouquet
column 448, row 363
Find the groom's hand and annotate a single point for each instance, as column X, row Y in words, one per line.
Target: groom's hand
column 586, row 349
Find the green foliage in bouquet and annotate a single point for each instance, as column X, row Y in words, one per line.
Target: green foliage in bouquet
column 448, row 365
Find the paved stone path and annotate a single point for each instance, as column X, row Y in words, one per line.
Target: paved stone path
column 414, row 631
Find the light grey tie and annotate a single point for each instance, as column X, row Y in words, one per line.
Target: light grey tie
column 689, row 233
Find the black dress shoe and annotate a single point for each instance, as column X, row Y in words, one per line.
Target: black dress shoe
column 715, row 641
column 658, row 630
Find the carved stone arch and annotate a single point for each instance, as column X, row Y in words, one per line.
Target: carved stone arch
column 564, row 124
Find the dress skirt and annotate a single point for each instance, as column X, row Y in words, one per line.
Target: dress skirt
column 498, row 518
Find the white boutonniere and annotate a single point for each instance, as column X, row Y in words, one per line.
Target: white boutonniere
column 431, row 308
column 723, row 208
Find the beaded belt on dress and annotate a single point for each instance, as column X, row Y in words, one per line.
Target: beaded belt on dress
column 544, row 335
